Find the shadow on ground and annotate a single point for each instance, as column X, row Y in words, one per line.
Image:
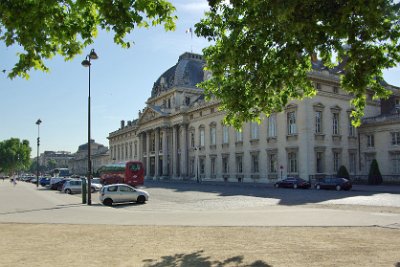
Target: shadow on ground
column 197, row 259
column 286, row 196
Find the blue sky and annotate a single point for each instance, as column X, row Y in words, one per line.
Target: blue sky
column 121, row 83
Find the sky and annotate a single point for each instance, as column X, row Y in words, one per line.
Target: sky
column 121, row 83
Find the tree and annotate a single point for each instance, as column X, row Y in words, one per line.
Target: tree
column 374, row 175
column 46, row 28
column 52, row 164
column 264, row 49
column 14, row 155
column 343, row 173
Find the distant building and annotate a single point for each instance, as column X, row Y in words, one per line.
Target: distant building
column 79, row 163
column 60, row 158
column 179, row 135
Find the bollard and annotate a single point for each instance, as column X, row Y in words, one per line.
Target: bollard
column 84, row 187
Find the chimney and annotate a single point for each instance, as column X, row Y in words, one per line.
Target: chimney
column 122, row 124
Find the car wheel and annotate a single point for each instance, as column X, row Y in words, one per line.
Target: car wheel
column 294, row 186
column 141, row 199
column 318, row 187
column 68, row 191
column 108, row 202
column 338, row 188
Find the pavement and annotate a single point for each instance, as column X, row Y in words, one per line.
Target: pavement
column 24, row 203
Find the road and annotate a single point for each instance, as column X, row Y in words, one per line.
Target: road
column 190, row 204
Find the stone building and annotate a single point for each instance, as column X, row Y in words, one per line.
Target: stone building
column 79, row 163
column 60, row 158
column 179, row 135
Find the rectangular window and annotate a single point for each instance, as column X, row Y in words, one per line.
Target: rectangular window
column 335, row 90
column 254, row 130
column 335, row 123
column 213, row 165
column 202, row 165
column 272, row 163
column 272, row 126
column 395, row 163
column 336, row 161
column 318, row 122
column 319, row 165
column 239, row 164
column 225, row 164
column 292, row 156
column 291, row 121
column 225, row 135
column 239, row 136
column 395, row 138
column 352, row 163
column 370, row 140
column 213, row 132
column 160, row 141
column 254, row 163
column 201, row 137
column 192, row 166
column 352, row 129
column 192, row 139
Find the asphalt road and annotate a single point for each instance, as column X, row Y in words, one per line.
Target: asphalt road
column 190, row 204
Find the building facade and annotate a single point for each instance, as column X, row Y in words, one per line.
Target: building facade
column 179, row 135
column 79, row 163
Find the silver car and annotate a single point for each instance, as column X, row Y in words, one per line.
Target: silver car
column 120, row 193
column 75, row 186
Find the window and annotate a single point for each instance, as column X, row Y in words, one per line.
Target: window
column 254, row 163
column 335, row 90
column 239, row 136
column 187, row 101
column 318, row 122
column 292, row 156
column 239, row 164
column 213, row 165
column 319, row 162
column 352, row 162
column 160, row 141
column 153, row 142
column 291, row 121
column 202, row 165
column 370, row 140
column 272, row 126
column 225, row 135
column 395, row 138
column 335, row 123
column 254, row 130
column 213, row 133
column 272, row 163
column 318, row 86
column 192, row 139
column 352, row 129
column 201, row 141
column 225, row 164
column 336, row 161
column 395, row 157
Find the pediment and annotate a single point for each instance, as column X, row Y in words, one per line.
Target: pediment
column 150, row 114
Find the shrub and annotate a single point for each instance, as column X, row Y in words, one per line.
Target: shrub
column 374, row 176
column 342, row 172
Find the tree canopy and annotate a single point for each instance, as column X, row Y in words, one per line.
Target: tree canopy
column 263, row 51
column 45, row 28
column 14, row 155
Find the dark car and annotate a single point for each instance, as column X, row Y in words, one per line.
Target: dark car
column 333, row 183
column 293, row 182
column 44, row 181
column 58, row 185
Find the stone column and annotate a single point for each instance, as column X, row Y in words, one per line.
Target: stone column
column 148, row 154
column 165, row 152
column 140, row 147
column 184, row 151
column 174, row 151
column 157, row 151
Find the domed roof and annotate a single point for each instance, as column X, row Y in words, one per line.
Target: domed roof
column 186, row 73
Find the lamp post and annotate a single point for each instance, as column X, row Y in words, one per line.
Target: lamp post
column 38, row 122
column 86, row 63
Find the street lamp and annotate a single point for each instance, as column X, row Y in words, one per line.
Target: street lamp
column 86, row 63
column 38, row 122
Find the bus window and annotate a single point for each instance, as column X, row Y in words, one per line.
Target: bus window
column 135, row 167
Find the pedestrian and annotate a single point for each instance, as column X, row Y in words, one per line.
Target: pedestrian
column 14, row 181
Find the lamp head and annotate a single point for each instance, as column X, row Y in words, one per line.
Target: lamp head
column 38, row 122
column 86, row 62
column 93, row 54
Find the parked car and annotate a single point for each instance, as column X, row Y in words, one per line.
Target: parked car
column 293, row 182
column 75, row 186
column 44, row 181
column 333, row 183
column 120, row 193
column 58, row 185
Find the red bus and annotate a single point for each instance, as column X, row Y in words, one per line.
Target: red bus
column 131, row 173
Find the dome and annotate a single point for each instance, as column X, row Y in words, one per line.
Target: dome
column 188, row 72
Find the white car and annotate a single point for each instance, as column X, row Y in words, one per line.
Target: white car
column 121, row 193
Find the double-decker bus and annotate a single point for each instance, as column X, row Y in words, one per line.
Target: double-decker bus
column 131, row 173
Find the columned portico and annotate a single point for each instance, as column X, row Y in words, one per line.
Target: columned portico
column 174, row 151
column 164, row 152
column 147, row 154
column 157, row 152
column 184, row 151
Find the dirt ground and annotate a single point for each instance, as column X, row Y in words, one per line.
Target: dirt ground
column 153, row 246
